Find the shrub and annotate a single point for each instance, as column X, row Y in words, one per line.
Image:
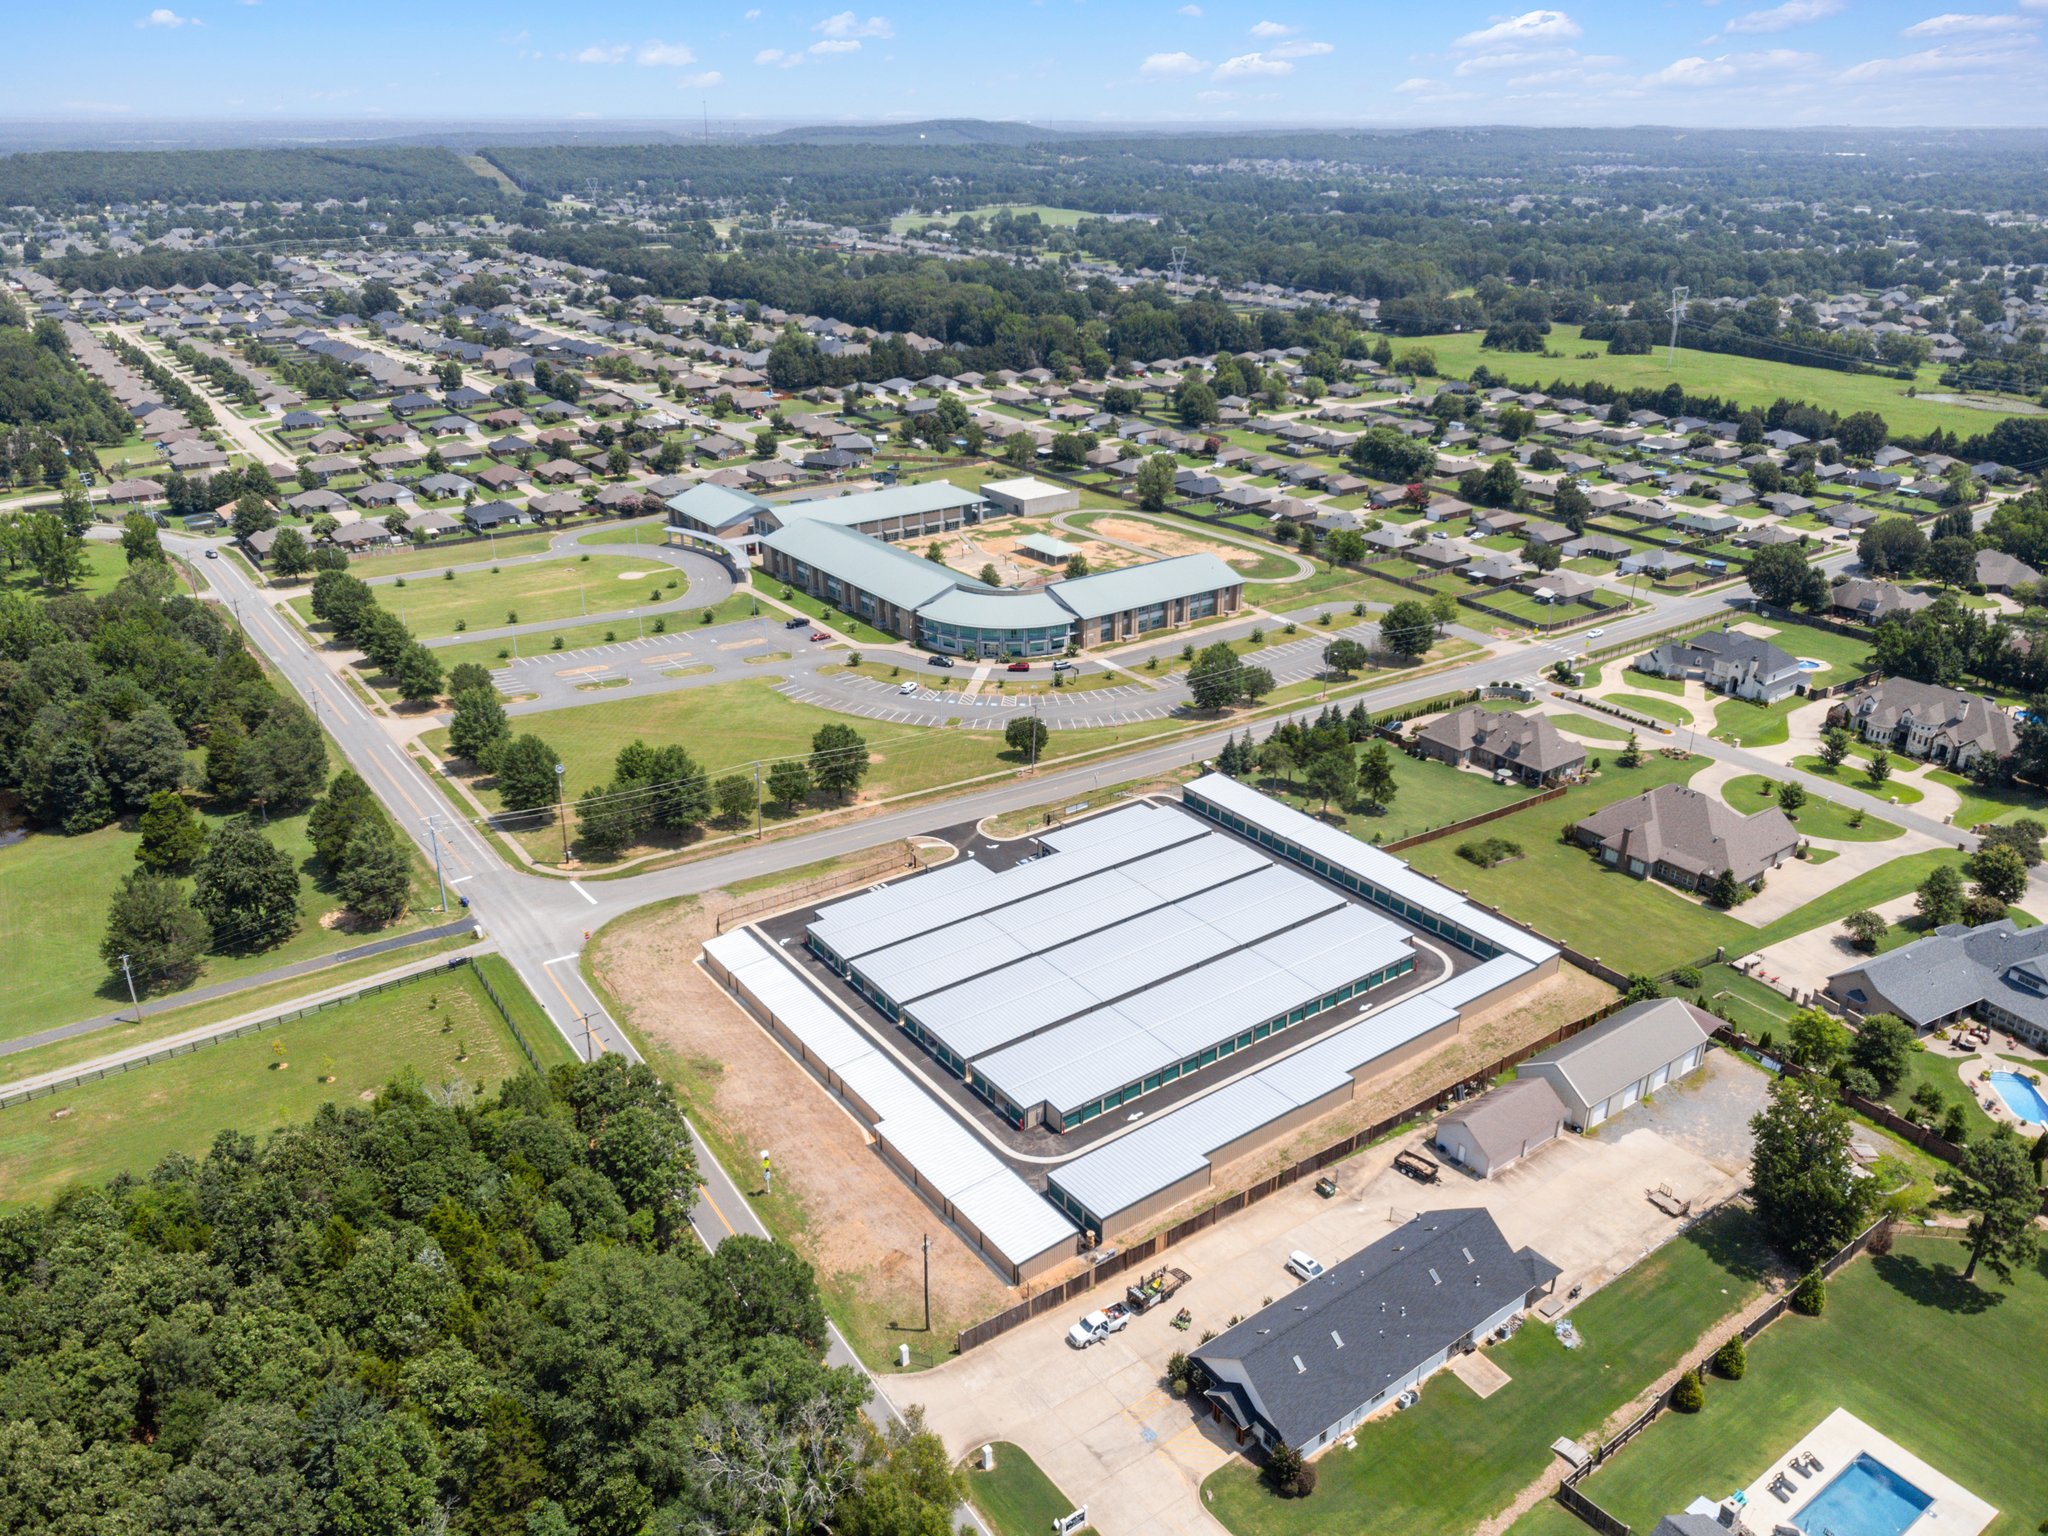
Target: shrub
column 853, row 658
column 447, row 575
column 1810, row 1295
column 1688, row 1396
column 1687, row 977
column 1487, row 852
column 461, row 625
column 610, row 636
column 1305, row 1480
column 1732, row 1359
column 1282, row 1471
column 661, row 626
column 555, row 644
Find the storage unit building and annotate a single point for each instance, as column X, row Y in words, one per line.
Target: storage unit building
column 1604, row 1070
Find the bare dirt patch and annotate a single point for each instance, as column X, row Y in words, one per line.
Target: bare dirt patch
column 836, row 1200
column 1170, row 541
column 967, row 551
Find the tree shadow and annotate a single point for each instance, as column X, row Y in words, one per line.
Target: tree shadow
column 1935, row 1285
column 1734, row 1241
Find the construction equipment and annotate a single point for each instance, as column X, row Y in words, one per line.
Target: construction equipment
column 1156, row 1287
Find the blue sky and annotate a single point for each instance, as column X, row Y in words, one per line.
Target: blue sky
column 1689, row 62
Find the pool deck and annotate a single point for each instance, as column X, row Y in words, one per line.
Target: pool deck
column 1837, row 1440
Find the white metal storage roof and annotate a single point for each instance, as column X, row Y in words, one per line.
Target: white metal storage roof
column 1010, row 1214
column 1388, row 873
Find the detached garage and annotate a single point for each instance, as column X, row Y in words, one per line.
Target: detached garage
column 1028, row 497
column 1603, row 1071
column 1499, row 1129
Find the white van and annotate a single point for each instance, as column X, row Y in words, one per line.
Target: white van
column 1302, row 1267
column 908, row 688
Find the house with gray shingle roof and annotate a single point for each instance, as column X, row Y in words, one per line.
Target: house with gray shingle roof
column 1941, row 725
column 1601, row 1071
column 1997, row 972
column 1307, row 1369
column 1493, row 1132
column 1526, row 746
column 1687, row 839
column 1728, row 662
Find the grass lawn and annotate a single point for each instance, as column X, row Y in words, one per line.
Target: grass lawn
column 1754, row 1006
column 1846, row 655
column 256, row 1083
column 1754, row 725
column 1590, row 727
column 1868, row 889
column 576, row 637
column 1981, row 803
column 402, row 562
column 1936, row 1068
column 730, row 726
column 1656, row 709
column 520, row 594
column 1903, row 1343
column 1907, row 794
column 1751, row 381
column 642, row 530
column 1428, row 794
column 104, row 566
column 1817, row 818
column 1564, row 892
column 1016, row 1499
column 1652, row 683
column 56, row 910
column 802, row 602
column 1454, row 1459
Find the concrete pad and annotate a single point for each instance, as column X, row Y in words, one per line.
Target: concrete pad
column 1478, row 1371
column 1836, row 1442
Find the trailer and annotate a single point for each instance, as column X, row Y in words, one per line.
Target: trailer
column 1422, row 1169
column 1156, row 1287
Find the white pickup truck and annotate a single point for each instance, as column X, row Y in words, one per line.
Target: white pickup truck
column 1097, row 1326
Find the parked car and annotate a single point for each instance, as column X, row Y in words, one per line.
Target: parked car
column 1302, row 1267
column 819, row 634
column 1020, row 666
column 1063, row 665
column 1097, row 1326
column 796, row 623
column 908, row 688
column 938, row 661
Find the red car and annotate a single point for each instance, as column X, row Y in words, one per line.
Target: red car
column 819, row 634
column 1020, row 666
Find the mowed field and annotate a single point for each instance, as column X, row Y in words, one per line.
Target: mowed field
column 1751, row 381
column 442, row 1027
column 433, row 605
column 54, row 910
column 728, row 727
column 1058, row 218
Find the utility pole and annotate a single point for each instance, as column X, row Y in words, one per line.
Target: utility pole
column 131, row 989
column 434, row 836
column 561, row 813
column 1179, row 266
column 1678, row 298
column 757, row 802
column 927, row 1282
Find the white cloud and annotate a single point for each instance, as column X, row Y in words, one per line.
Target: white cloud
column 1212, row 97
column 602, row 53
column 1779, row 18
column 1193, row 10
column 1251, row 64
column 97, row 106
column 700, row 82
column 778, row 58
column 1973, row 56
column 1514, row 58
column 1955, row 24
column 751, row 16
column 836, row 45
column 656, row 54
column 846, row 24
column 1302, row 49
column 1697, row 71
column 1273, row 29
column 1529, row 27
column 1172, row 64
column 164, row 16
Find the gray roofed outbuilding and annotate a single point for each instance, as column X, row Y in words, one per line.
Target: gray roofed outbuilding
column 1603, row 1070
column 1502, row 1127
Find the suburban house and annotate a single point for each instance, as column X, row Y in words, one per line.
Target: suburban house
column 1558, row 586
column 1942, row 725
column 1870, row 601
column 1727, row 661
column 1999, row 572
column 1493, row 1132
column 1998, row 973
column 1310, row 1367
column 1528, row 747
column 1601, row 1071
column 1687, row 839
column 1657, row 564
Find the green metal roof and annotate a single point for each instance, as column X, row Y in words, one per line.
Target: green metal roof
column 1139, row 586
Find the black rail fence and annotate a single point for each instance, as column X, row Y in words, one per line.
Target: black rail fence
column 1123, row 1259
column 1573, row 1498
column 276, row 1021
column 903, row 858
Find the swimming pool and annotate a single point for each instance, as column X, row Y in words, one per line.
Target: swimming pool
column 1866, row 1498
column 2021, row 1097
column 1808, row 664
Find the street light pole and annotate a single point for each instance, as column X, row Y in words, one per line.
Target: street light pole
column 562, row 813
column 434, row 836
column 131, row 989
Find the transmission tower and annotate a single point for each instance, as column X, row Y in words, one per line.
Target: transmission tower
column 1180, row 265
column 1678, row 298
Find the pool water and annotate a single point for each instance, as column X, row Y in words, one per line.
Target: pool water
column 1808, row 664
column 2021, row 1097
column 1867, row 1498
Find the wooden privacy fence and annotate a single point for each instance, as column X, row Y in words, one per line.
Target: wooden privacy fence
column 256, row 1026
column 1140, row 1253
column 1580, row 1504
column 1451, row 827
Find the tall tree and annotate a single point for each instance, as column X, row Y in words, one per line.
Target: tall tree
column 246, row 889
column 478, row 725
column 154, row 923
column 173, row 836
column 1999, row 1186
column 376, row 876
column 839, row 759
column 1806, row 1187
column 526, row 774
column 286, row 763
